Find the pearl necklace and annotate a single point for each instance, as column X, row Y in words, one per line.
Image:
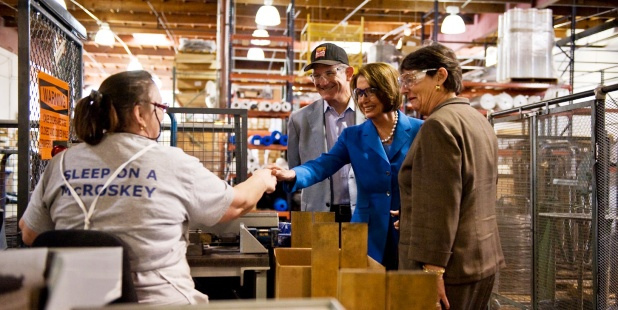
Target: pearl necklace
column 392, row 130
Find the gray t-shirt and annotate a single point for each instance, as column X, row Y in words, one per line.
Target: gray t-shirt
column 148, row 205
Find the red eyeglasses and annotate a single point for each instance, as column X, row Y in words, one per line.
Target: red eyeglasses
column 161, row 106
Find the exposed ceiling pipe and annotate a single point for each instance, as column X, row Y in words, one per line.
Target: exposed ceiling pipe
column 345, row 20
column 585, row 17
column 396, row 31
column 589, row 32
column 163, row 22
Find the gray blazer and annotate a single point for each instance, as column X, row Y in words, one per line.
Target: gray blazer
column 306, row 141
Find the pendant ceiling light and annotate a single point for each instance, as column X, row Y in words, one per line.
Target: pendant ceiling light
column 453, row 23
column 267, row 15
column 255, row 53
column 104, row 36
column 260, row 33
column 134, row 64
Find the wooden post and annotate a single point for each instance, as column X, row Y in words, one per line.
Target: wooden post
column 323, row 217
column 362, row 289
column 412, row 290
column 324, row 259
column 354, row 245
column 301, row 229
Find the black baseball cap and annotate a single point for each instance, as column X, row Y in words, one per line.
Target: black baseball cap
column 327, row 54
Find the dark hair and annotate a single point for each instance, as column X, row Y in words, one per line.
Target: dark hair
column 382, row 76
column 109, row 109
column 436, row 55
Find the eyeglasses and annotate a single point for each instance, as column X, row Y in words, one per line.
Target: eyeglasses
column 161, row 106
column 413, row 78
column 364, row 92
column 328, row 76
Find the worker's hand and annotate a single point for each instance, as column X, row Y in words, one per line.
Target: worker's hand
column 267, row 177
column 395, row 214
column 282, row 174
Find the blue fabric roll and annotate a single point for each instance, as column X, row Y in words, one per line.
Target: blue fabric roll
column 266, row 140
column 280, row 204
column 276, row 136
column 256, row 140
column 283, row 140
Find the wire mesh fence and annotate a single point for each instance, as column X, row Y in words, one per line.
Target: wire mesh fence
column 513, row 211
column 217, row 137
column 8, row 185
column 50, row 77
column 557, row 204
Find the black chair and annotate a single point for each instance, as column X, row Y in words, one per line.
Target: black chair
column 92, row 238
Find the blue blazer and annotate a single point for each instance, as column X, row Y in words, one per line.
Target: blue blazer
column 375, row 170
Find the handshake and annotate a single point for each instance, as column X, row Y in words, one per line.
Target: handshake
column 271, row 174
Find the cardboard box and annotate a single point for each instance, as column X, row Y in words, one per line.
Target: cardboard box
column 293, row 272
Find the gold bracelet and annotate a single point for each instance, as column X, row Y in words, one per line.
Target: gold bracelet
column 439, row 272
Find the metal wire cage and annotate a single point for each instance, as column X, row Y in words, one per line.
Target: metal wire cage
column 557, row 203
column 8, row 185
column 217, row 137
column 49, row 43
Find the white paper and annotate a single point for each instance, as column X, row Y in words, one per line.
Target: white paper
column 84, row 277
column 26, row 263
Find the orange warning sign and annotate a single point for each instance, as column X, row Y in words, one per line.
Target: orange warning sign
column 54, row 121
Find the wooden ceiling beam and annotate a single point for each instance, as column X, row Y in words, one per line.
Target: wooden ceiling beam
column 96, row 6
column 120, row 59
column 192, row 32
column 389, row 5
column 148, row 17
column 117, row 49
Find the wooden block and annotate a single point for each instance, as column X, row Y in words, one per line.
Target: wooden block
column 199, row 75
column 324, row 259
column 301, row 229
column 195, row 58
column 293, row 273
column 192, row 99
column 194, row 67
column 324, row 217
column 413, row 290
column 354, row 245
column 362, row 289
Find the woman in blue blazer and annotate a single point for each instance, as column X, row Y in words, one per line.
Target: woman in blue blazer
column 376, row 149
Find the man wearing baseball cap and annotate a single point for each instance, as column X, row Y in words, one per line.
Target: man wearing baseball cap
column 314, row 129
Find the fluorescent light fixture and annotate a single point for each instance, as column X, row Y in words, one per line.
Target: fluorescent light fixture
column 134, row 65
column 104, row 36
column 151, row 39
column 267, row 15
column 255, row 53
column 260, row 33
column 453, row 23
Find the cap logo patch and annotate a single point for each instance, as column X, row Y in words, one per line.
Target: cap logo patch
column 320, row 52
